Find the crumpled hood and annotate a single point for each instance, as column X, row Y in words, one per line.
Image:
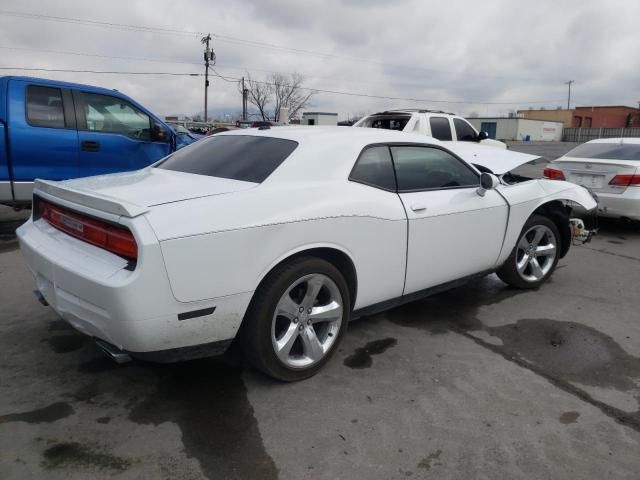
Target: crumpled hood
column 154, row 186
column 498, row 160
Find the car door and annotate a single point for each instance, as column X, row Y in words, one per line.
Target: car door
column 114, row 135
column 43, row 140
column 453, row 231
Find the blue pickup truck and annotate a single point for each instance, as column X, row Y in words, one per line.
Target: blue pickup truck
column 58, row 130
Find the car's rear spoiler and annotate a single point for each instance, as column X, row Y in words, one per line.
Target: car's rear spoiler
column 89, row 199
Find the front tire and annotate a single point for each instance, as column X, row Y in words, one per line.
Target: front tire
column 535, row 256
column 296, row 319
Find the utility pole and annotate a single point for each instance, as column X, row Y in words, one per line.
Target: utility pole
column 569, row 97
column 245, row 91
column 209, row 56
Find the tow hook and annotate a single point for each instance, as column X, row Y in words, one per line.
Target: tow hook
column 579, row 233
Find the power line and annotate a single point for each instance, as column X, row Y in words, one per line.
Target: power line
column 29, row 69
column 383, row 97
column 98, row 55
column 182, row 62
column 318, row 90
column 96, row 23
column 224, row 38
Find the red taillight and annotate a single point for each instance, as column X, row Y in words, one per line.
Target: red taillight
column 553, row 174
column 118, row 240
column 625, row 181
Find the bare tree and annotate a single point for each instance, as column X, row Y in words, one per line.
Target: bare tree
column 278, row 91
column 289, row 93
column 259, row 94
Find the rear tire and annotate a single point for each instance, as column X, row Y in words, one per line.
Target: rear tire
column 535, row 256
column 296, row 319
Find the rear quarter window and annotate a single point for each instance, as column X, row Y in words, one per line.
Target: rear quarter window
column 44, row 107
column 237, row 157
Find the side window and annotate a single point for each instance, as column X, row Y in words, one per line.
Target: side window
column 424, row 168
column 374, row 168
column 114, row 115
column 44, row 107
column 464, row 131
column 440, row 128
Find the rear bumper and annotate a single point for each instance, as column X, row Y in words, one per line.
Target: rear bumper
column 133, row 310
column 626, row 204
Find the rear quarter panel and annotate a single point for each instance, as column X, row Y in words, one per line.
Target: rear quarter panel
column 248, row 233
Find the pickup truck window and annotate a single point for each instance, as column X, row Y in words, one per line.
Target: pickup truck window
column 113, row 115
column 464, row 131
column 44, row 107
column 426, row 168
column 374, row 168
column 440, row 128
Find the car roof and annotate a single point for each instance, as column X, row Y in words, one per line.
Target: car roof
column 412, row 110
column 319, row 134
column 326, row 153
column 629, row 140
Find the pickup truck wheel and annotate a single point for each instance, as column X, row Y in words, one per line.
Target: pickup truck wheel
column 535, row 256
column 296, row 319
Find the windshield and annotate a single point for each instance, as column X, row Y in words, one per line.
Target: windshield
column 607, row 151
column 246, row 158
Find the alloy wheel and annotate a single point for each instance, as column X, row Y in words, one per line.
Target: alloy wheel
column 536, row 253
column 307, row 320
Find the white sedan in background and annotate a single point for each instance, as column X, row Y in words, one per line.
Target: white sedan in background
column 278, row 237
column 610, row 167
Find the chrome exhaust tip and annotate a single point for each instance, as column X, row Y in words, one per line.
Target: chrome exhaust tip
column 113, row 352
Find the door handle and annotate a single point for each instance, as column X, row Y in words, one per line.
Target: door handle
column 418, row 208
column 90, row 146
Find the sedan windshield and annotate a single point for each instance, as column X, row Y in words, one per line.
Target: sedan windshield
column 238, row 157
column 606, row 151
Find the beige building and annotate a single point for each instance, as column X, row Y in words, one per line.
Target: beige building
column 559, row 115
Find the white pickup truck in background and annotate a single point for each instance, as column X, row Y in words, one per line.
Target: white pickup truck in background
column 446, row 127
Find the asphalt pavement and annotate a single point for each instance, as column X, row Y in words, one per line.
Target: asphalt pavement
column 483, row 381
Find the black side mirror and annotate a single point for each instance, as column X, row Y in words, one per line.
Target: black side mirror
column 159, row 134
column 482, row 136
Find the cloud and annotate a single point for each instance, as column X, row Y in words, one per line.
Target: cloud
column 499, row 51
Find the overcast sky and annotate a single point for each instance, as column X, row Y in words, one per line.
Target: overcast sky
column 458, row 51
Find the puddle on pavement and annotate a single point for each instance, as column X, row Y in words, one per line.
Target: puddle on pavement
column 453, row 308
column 208, row 400
column 566, row 353
column 72, row 454
column 571, row 351
column 361, row 358
column 51, row 413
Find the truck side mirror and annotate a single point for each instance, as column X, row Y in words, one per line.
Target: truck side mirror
column 159, row 133
column 482, row 136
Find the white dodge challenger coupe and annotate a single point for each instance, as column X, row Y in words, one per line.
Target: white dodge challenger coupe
column 278, row 237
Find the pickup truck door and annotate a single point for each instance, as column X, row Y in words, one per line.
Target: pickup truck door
column 115, row 135
column 453, row 231
column 43, row 140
